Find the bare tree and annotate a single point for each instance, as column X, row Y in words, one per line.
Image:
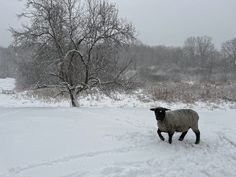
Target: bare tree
column 199, row 49
column 7, row 63
column 190, row 51
column 79, row 40
column 200, row 52
column 228, row 50
column 205, row 49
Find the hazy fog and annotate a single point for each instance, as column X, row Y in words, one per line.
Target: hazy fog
column 167, row 22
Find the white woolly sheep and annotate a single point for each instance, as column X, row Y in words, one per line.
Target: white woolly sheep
column 180, row 120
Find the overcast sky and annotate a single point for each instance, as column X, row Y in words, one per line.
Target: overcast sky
column 167, row 22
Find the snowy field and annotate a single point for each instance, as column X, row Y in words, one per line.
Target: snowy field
column 118, row 141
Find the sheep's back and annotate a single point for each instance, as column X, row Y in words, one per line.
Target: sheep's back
column 179, row 120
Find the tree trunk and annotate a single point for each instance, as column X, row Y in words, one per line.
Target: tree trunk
column 73, row 98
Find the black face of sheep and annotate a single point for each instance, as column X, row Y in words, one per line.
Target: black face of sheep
column 160, row 113
column 180, row 120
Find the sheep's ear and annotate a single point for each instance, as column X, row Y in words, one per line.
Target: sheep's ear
column 152, row 109
column 165, row 109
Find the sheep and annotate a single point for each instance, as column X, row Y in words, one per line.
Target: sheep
column 176, row 121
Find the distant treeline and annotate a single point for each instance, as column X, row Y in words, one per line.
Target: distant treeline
column 197, row 60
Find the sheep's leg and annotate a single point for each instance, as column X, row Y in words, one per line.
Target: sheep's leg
column 181, row 138
column 197, row 133
column 170, row 136
column 160, row 135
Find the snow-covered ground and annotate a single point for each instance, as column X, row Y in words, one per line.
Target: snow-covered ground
column 118, row 141
column 7, row 84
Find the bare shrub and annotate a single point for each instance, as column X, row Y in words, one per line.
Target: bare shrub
column 193, row 92
column 46, row 95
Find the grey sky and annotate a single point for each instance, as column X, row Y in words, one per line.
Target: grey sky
column 167, row 22
column 8, row 11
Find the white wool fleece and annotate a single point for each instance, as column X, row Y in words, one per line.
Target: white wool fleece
column 179, row 120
